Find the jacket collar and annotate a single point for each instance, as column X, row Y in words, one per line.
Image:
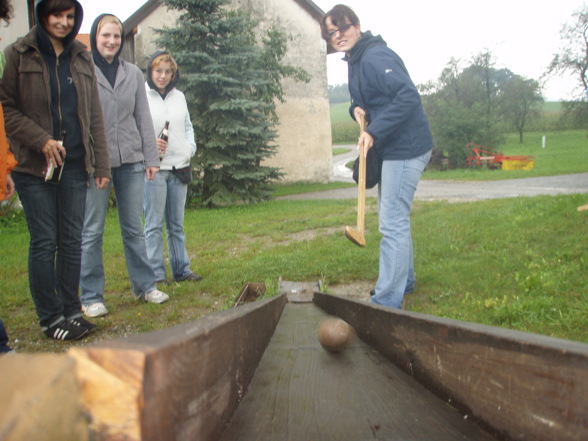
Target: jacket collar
column 367, row 39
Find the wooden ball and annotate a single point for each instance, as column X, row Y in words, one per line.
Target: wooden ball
column 334, row 334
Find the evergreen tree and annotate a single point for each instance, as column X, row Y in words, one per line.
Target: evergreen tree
column 231, row 82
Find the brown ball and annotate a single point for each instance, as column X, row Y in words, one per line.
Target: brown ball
column 334, row 334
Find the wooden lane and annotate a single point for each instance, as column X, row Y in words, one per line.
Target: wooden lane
column 301, row 392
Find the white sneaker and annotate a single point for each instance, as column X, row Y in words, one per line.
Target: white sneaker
column 95, row 309
column 156, row 296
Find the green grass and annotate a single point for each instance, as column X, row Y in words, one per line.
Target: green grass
column 308, row 187
column 517, row 263
column 340, row 113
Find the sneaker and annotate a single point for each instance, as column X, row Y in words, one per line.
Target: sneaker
column 95, row 309
column 82, row 322
column 65, row 330
column 156, row 296
column 191, row 278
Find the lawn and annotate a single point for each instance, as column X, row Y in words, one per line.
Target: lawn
column 517, row 263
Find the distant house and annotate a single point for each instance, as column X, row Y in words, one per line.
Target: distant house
column 304, row 133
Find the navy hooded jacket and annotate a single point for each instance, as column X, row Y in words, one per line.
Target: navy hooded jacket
column 380, row 84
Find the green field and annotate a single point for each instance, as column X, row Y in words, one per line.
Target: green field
column 517, row 263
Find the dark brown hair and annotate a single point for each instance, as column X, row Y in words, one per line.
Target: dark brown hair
column 338, row 16
column 48, row 7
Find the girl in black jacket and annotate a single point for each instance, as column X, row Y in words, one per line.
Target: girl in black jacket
column 398, row 129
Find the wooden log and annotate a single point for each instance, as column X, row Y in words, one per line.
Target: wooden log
column 522, row 386
column 40, row 399
column 181, row 383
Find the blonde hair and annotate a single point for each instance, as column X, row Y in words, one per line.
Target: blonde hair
column 165, row 58
column 109, row 19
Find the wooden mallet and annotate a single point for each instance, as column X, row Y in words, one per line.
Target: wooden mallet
column 356, row 234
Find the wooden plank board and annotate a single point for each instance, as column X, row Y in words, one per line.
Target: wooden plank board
column 521, row 385
column 40, row 399
column 301, row 392
column 181, row 383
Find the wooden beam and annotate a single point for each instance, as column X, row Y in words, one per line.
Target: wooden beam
column 40, row 399
column 523, row 386
column 179, row 383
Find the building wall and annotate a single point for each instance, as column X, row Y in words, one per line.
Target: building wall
column 304, row 132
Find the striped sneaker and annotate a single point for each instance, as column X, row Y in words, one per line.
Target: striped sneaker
column 82, row 322
column 65, row 330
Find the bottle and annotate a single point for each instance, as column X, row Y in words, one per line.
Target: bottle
column 53, row 172
column 164, row 134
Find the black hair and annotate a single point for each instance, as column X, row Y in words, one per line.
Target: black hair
column 5, row 10
column 48, row 7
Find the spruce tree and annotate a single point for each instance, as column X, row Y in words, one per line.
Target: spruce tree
column 231, row 81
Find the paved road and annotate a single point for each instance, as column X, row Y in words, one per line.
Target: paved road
column 454, row 191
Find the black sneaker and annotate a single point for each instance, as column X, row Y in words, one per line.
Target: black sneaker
column 190, row 278
column 82, row 322
column 65, row 330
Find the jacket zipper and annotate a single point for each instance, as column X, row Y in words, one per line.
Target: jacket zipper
column 59, row 95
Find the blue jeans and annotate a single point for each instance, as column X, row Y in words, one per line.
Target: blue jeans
column 165, row 198
column 129, row 182
column 395, row 195
column 55, row 217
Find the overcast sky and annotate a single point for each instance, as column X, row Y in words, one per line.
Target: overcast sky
column 523, row 35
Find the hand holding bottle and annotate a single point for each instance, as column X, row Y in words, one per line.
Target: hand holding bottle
column 161, row 147
column 162, row 140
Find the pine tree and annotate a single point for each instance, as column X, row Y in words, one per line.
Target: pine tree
column 231, row 82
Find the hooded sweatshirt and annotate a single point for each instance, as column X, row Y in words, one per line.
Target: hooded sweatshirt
column 64, row 98
column 171, row 106
column 127, row 119
column 108, row 69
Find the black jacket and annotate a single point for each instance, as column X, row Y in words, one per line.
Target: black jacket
column 379, row 83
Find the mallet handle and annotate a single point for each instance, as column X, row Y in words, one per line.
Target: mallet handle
column 361, row 181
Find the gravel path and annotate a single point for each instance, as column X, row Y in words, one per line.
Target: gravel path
column 456, row 191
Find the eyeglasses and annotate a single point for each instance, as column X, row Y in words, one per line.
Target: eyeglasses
column 341, row 30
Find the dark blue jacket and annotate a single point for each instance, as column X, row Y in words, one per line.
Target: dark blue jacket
column 380, row 84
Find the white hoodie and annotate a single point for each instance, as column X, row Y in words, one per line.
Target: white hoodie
column 181, row 145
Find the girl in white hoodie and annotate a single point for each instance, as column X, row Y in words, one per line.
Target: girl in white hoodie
column 165, row 196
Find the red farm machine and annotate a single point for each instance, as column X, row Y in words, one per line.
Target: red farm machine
column 480, row 155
